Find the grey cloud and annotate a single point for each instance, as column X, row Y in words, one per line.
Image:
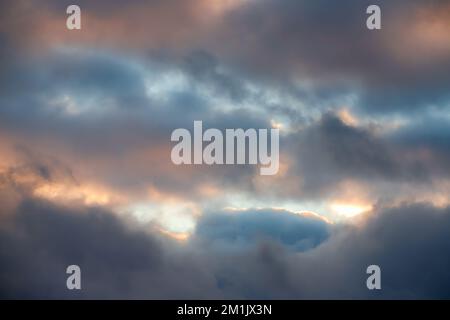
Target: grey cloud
column 313, row 55
column 323, row 43
column 325, row 153
column 329, row 151
column 205, row 68
column 409, row 243
column 242, row 229
column 328, row 43
column 120, row 117
column 115, row 261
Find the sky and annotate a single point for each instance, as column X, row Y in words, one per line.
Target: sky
column 86, row 176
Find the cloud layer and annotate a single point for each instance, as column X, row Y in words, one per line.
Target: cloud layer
column 225, row 259
column 86, row 176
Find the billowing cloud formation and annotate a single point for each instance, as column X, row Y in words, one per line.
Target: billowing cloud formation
column 85, row 124
column 119, row 261
column 301, row 231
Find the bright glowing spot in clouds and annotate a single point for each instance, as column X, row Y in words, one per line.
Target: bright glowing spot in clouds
column 219, row 7
column 347, row 117
column 162, row 85
column 276, row 124
column 349, row 210
column 89, row 195
column 174, row 218
column 180, row 236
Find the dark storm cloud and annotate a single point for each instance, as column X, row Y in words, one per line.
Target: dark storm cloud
column 41, row 239
column 96, row 105
column 327, row 42
column 401, row 68
column 116, row 262
column 409, row 243
column 118, row 118
column 102, row 103
column 115, row 117
column 104, row 88
column 330, row 151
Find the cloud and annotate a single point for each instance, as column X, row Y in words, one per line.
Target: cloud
column 115, row 261
column 241, row 229
column 85, row 123
column 121, row 260
column 299, row 46
column 328, row 157
column 99, row 110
